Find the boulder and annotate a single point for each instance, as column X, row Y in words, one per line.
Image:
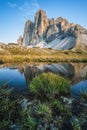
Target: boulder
column 24, row 104
column 14, row 127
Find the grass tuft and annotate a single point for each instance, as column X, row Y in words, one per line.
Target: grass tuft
column 49, row 85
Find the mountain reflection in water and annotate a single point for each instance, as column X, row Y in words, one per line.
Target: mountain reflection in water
column 19, row 77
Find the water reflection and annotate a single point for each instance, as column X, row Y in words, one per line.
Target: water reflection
column 78, row 89
column 66, row 70
column 13, row 78
column 20, row 76
column 29, row 72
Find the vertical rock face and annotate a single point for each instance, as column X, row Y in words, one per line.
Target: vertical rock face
column 34, row 32
column 50, row 33
column 52, row 28
column 28, row 33
column 20, row 40
column 41, row 23
column 62, row 24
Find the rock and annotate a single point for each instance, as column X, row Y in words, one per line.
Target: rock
column 83, row 104
column 67, row 101
column 53, row 33
column 46, row 127
column 71, row 123
column 24, row 104
column 34, row 32
column 40, row 127
column 14, row 127
column 75, row 123
column 28, row 33
column 62, row 24
column 20, row 41
column 52, row 29
column 41, row 23
column 79, row 89
column 52, row 127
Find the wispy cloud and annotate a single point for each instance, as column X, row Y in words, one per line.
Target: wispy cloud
column 26, row 8
column 29, row 8
column 12, row 5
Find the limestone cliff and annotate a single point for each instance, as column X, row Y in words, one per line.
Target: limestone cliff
column 54, row 33
column 20, row 40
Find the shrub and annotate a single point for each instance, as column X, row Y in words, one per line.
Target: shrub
column 48, row 85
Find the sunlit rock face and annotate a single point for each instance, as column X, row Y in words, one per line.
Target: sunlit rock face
column 28, row 33
column 34, row 32
column 41, row 23
column 53, row 33
column 20, row 40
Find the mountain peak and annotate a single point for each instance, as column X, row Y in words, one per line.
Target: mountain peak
column 50, row 33
column 40, row 11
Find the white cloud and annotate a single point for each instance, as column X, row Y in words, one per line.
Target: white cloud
column 29, row 8
column 12, row 5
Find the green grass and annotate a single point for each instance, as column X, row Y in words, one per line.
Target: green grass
column 83, row 97
column 43, row 110
column 76, row 125
column 59, row 108
column 28, row 123
column 48, row 85
column 4, row 107
column 10, row 112
column 47, row 108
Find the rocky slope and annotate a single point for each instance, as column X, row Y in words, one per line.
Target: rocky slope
column 56, row 34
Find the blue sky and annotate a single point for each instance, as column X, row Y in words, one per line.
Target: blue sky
column 14, row 14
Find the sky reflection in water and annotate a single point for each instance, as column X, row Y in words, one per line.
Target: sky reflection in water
column 13, row 77
column 18, row 78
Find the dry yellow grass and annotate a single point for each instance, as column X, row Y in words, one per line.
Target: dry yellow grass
column 41, row 55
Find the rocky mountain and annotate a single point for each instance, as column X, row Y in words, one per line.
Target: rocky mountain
column 53, row 33
column 20, row 40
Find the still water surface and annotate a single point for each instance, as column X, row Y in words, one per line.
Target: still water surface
column 20, row 76
column 13, row 78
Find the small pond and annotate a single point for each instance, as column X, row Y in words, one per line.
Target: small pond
column 19, row 76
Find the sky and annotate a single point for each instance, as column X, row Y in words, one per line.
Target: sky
column 14, row 14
